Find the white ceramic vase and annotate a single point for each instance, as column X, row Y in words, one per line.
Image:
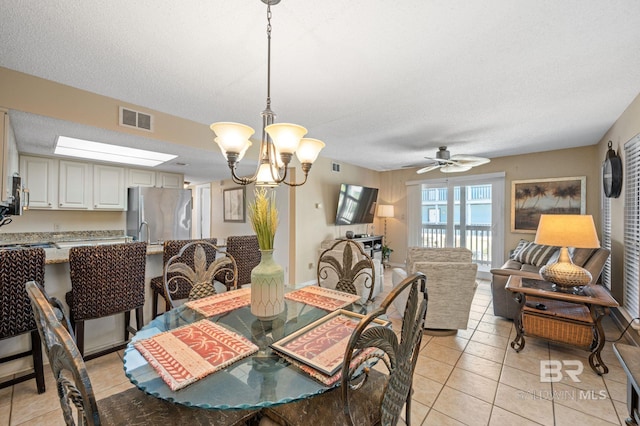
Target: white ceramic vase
column 267, row 287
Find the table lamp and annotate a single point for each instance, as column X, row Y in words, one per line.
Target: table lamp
column 566, row 230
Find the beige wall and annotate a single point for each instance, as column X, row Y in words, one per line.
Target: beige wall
column 562, row 163
column 315, row 210
column 626, row 127
column 26, row 93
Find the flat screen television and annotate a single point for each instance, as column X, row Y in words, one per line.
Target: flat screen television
column 356, row 204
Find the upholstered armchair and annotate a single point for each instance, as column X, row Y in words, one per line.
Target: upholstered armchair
column 451, row 282
column 337, row 253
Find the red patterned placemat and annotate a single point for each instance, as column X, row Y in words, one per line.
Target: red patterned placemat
column 323, row 298
column 189, row 353
column 220, row 303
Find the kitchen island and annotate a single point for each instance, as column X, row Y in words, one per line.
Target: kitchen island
column 100, row 333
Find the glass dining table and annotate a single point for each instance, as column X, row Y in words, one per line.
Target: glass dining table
column 262, row 379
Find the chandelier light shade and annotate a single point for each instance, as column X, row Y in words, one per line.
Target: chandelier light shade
column 278, row 144
column 566, row 230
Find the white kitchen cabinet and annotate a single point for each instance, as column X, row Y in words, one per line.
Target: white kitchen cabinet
column 169, row 180
column 158, row 179
column 40, row 177
column 74, row 185
column 142, row 177
column 8, row 158
column 109, row 191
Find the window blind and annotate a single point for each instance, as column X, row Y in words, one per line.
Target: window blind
column 631, row 297
column 606, row 239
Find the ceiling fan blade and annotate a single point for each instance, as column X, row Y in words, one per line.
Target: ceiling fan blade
column 439, row 161
column 454, row 168
column 469, row 160
column 428, row 168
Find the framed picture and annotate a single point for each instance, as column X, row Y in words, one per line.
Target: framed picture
column 531, row 198
column 322, row 343
column 233, row 205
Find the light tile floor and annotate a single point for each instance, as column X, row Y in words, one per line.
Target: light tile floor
column 472, row 378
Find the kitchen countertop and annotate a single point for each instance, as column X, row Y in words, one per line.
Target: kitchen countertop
column 67, row 239
column 56, row 255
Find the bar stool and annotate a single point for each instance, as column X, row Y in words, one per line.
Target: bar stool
column 170, row 249
column 106, row 280
column 246, row 251
column 17, row 267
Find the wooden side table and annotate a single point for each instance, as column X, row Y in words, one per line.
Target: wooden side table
column 562, row 317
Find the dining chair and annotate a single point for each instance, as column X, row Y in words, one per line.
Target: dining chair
column 373, row 397
column 200, row 269
column 246, row 251
column 345, row 266
column 16, row 318
column 131, row 406
column 106, row 280
column 170, row 249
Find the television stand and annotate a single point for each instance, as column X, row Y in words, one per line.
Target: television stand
column 372, row 244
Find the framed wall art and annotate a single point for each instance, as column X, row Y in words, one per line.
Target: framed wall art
column 531, row 198
column 233, row 205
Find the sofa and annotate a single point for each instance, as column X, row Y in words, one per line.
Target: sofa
column 331, row 279
column 451, row 285
column 526, row 260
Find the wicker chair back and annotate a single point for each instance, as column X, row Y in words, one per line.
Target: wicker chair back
column 246, row 251
column 16, row 317
column 106, row 279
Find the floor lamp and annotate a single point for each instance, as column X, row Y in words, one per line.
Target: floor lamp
column 385, row 211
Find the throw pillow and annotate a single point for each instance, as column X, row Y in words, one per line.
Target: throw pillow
column 521, row 244
column 535, row 254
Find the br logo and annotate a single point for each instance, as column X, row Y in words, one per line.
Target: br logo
column 553, row 370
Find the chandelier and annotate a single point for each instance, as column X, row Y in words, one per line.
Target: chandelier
column 278, row 144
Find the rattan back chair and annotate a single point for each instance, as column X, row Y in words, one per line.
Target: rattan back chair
column 77, row 399
column 246, row 252
column 170, row 249
column 200, row 267
column 16, row 318
column 345, row 266
column 370, row 398
column 106, row 280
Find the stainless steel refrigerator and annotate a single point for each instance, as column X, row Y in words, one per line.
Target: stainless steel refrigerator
column 156, row 215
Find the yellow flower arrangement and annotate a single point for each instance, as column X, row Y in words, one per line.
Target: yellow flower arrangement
column 264, row 218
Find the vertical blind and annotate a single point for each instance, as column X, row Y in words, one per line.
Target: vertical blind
column 632, row 226
column 606, row 239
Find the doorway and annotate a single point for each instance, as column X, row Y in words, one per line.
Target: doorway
column 461, row 212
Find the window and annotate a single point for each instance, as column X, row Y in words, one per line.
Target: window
column 458, row 212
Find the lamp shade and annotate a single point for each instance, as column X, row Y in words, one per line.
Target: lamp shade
column 232, row 137
column 385, row 210
column 308, row 150
column 286, row 136
column 567, row 230
column 242, row 152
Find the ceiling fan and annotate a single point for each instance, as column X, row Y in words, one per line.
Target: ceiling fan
column 451, row 164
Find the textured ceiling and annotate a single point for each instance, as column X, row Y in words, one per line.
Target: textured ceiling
column 382, row 83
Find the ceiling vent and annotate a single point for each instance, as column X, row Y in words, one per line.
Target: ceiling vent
column 136, row 119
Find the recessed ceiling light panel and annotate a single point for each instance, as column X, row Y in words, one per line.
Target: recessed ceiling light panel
column 111, row 153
